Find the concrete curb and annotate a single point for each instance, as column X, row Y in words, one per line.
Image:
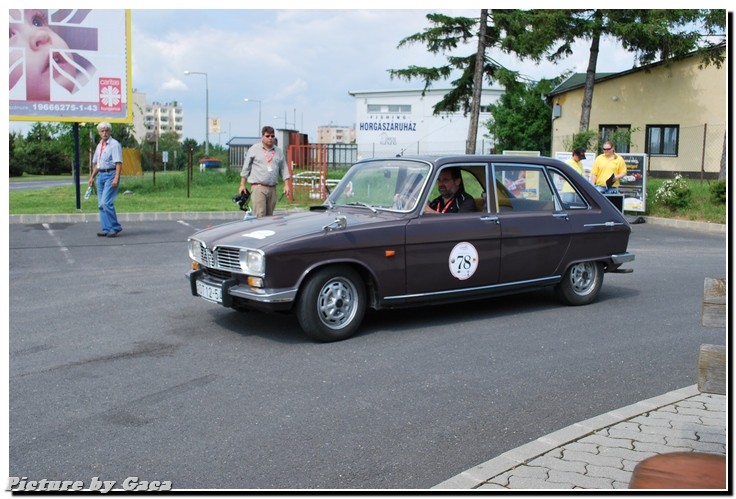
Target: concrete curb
column 125, row 217
column 478, row 475
column 687, row 224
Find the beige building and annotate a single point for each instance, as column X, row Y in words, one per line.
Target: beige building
column 677, row 115
column 332, row 134
column 156, row 118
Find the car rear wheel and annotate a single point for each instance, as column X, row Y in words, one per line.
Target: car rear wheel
column 581, row 283
column 332, row 304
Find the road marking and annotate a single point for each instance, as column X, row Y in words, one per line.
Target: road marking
column 64, row 249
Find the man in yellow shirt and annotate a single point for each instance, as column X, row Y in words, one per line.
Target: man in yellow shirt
column 608, row 169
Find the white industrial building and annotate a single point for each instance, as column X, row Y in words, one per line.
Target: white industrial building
column 402, row 122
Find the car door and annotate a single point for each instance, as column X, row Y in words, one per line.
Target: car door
column 454, row 251
column 535, row 231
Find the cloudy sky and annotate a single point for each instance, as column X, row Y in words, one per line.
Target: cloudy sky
column 300, row 64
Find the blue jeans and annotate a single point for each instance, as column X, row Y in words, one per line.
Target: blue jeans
column 106, row 194
column 607, row 190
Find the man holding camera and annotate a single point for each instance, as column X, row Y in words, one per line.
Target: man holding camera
column 263, row 164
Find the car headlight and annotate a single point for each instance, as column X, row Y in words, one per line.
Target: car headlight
column 195, row 250
column 253, row 262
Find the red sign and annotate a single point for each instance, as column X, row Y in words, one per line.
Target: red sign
column 111, row 96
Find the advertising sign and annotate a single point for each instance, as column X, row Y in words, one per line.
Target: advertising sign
column 70, row 65
column 634, row 184
column 214, row 125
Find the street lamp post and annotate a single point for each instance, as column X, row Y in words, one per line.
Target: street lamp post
column 206, row 111
column 259, row 113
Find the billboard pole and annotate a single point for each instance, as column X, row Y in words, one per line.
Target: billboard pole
column 76, row 163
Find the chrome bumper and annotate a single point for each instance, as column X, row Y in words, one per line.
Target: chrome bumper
column 231, row 287
column 622, row 258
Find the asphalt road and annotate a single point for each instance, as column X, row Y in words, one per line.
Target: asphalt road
column 115, row 370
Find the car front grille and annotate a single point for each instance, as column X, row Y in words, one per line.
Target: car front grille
column 223, row 258
column 218, row 274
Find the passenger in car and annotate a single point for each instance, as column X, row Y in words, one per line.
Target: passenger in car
column 452, row 198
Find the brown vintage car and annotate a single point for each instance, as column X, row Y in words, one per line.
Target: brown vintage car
column 536, row 223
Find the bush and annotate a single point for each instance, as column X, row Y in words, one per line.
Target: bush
column 674, row 193
column 718, row 192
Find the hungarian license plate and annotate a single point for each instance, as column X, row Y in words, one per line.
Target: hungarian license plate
column 209, row 293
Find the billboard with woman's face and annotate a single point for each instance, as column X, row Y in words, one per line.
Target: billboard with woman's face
column 69, row 65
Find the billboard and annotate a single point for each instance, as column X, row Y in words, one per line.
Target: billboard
column 70, row 65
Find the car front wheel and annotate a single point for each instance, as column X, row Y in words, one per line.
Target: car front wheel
column 332, row 304
column 581, row 283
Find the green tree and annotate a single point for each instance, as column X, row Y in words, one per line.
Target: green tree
column 15, row 169
column 653, row 34
column 41, row 153
column 520, row 119
column 443, row 37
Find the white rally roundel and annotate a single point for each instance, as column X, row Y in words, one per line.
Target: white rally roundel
column 463, row 261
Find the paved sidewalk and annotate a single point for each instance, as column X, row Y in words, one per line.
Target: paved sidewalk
column 601, row 453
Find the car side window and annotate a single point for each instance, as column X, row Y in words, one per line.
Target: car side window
column 475, row 189
column 471, row 185
column 522, row 188
column 569, row 195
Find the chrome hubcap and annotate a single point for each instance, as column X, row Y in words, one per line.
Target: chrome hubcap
column 583, row 277
column 336, row 303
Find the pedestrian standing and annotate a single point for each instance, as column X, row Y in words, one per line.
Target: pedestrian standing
column 576, row 161
column 263, row 164
column 107, row 165
column 608, row 169
column 569, row 194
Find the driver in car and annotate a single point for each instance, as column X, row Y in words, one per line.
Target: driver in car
column 452, row 198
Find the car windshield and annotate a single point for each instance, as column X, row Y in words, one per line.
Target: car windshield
column 394, row 185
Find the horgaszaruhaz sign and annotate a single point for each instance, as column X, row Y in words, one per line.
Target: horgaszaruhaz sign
column 70, row 65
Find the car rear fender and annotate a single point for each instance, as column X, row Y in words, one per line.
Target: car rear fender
column 611, row 263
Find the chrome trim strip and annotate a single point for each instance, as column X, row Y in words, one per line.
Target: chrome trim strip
column 542, row 281
column 606, row 224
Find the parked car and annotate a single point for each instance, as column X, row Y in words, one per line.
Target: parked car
column 371, row 245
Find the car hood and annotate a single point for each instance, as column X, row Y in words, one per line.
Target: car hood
column 261, row 233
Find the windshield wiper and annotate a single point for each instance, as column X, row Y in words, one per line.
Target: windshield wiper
column 360, row 203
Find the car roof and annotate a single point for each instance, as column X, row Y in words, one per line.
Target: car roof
column 440, row 160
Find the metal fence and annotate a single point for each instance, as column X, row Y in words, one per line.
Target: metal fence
column 341, row 155
column 308, row 166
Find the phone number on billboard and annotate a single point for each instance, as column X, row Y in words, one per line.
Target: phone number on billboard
column 65, row 107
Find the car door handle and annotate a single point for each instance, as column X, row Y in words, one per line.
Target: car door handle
column 560, row 215
column 489, row 219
